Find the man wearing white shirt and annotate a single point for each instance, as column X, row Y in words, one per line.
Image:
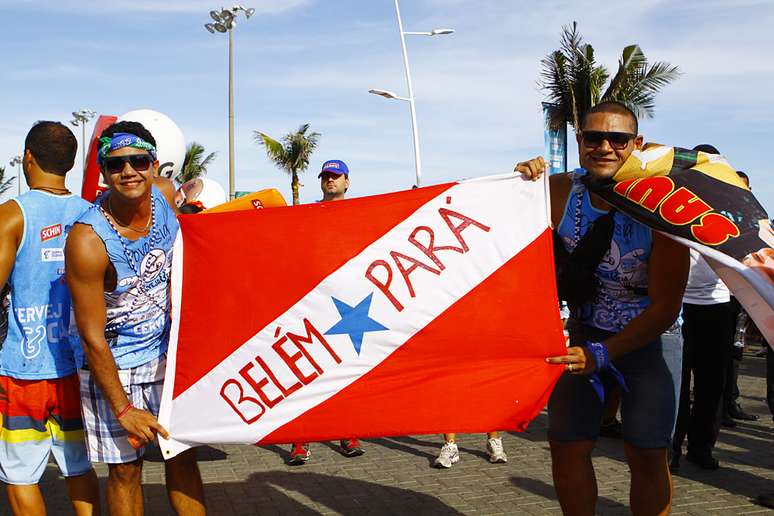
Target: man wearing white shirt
column 708, row 331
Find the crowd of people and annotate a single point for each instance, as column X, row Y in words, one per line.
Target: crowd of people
column 87, row 286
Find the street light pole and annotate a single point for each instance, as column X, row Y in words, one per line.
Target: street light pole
column 231, row 179
column 83, row 146
column 410, row 98
column 225, row 21
column 17, row 160
column 412, row 105
column 81, row 118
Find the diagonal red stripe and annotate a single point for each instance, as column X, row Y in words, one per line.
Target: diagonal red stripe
column 478, row 367
column 242, row 270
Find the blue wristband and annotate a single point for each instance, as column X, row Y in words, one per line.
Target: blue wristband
column 602, row 359
column 600, row 354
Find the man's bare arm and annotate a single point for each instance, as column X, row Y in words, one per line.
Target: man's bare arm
column 86, row 263
column 11, row 233
column 167, row 189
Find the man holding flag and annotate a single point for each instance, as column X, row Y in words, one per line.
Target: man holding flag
column 625, row 297
column 118, row 260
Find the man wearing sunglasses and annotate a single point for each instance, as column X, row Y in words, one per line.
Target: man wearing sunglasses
column 616, row 331
column 40, row 413
column 119, row 259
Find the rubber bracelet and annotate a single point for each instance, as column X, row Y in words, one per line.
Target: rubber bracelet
column 600, row 354
column 123, row 412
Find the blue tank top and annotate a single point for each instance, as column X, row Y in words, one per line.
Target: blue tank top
column 138, row 310
column 42, row 340
column 623, row 269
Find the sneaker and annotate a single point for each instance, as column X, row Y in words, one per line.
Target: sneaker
column 351, row 448
column 449, row 455
column 299, row 454
column 496, row 452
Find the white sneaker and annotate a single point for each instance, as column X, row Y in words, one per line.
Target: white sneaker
column 496, row 452
column 449, row 455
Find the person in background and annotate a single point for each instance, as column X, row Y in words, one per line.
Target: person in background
column 732, row 408
column 450, row 454
column 334, row 183
column 708, row 332
column 40, row 413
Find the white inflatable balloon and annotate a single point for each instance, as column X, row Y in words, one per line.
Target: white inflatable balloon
column 170, row 143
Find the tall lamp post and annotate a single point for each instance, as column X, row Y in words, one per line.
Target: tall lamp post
column 410, row 98
column 225, row 21
column 81, row 118
column 17, row 160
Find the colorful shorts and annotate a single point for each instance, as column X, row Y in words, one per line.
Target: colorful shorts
column 106, row 439
column 38, row 418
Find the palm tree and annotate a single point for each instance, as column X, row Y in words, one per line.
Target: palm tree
column 291, row 153
column 193, row 164
column 5, row 184
column 574, row 81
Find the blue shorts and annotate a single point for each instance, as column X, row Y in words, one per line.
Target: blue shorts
column 648, row 410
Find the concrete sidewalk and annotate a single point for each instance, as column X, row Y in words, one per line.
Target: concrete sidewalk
column 395, row 477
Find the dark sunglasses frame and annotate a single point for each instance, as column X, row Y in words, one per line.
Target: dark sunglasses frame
column 116, row 164
column 617, row 140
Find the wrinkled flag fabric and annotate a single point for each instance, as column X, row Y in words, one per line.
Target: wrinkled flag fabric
column 700, row 200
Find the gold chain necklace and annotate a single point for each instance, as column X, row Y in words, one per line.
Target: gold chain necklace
column 127, row 226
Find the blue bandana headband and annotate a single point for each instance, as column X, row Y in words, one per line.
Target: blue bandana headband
column 121, row 140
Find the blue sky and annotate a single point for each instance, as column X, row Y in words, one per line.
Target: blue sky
column 313, row 61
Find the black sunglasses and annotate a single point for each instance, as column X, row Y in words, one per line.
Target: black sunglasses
column 618, row 141
column 139, row 162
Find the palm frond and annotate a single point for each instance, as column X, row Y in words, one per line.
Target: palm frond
column 274, row 149
column 572, row 81
column 193, row 164
column 640, row 88
column 5, row 184
column 208, row 161
column 631, row 61
column 293, row 152
column 555, row 84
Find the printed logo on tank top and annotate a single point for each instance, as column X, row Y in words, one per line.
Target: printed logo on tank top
column 49, row 232
column 142, row 305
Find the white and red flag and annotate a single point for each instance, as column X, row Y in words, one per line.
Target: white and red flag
column 425, row 311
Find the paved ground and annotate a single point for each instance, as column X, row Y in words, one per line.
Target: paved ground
column 394, row 476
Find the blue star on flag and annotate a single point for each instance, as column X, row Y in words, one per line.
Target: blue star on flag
column 355, row 321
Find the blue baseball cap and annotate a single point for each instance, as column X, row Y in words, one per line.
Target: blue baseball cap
column 334, row 166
